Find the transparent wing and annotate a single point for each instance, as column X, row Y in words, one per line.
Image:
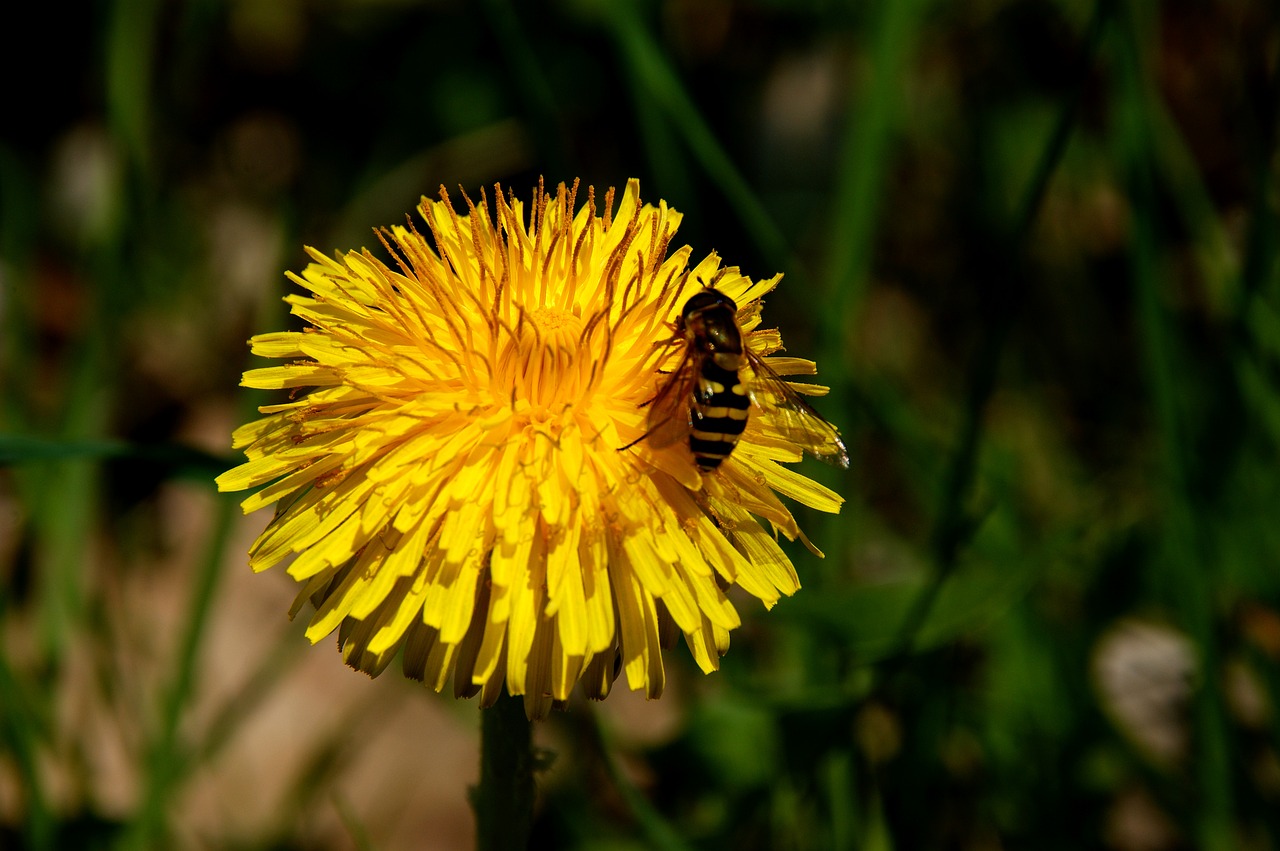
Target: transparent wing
column 668, row 419
column 793, row 417
column 669, row 411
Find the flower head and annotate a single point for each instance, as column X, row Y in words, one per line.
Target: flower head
column 461, row 473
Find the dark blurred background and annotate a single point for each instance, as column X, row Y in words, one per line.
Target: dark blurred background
column 1032, row 244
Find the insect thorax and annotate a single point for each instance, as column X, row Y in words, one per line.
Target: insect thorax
column 713, row 329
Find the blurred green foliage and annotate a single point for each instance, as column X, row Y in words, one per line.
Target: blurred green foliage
column 1033, row 243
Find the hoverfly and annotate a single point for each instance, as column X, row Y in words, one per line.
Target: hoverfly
column 706, row 398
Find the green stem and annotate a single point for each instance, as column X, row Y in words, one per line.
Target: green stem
column 503, row 801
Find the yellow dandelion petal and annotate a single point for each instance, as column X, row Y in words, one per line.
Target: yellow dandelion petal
column 532, row 450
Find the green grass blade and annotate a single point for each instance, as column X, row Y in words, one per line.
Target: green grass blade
column 250, row 697
column 356, row 829
column 874, row 113
column 952, row 526
column 531, row 83
column 1184, row 544
column 667, row 160
column 180, row 461
column 660, row 834
column 130, row 57
column 20, row 732
column 649, row 65
column 838, row 783
column 164, row 761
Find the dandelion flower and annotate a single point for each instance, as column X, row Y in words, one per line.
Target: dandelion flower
column 460, row 472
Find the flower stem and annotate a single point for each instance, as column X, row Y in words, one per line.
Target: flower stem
column 503, row 801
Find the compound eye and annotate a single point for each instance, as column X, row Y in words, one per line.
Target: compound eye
column 706, row 299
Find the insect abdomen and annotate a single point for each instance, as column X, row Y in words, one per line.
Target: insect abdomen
column 719, row 410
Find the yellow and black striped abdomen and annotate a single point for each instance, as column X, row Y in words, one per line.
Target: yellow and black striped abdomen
column 719, row 410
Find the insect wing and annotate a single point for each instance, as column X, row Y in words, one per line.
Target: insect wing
column 793, row 417
column 669, row 411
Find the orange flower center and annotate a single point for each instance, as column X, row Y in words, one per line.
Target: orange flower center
column 540, row 361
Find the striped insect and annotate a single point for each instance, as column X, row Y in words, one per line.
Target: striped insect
column 707, row 400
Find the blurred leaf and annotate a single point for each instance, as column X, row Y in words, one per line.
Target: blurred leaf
column 869, row 617
column 738, row 741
